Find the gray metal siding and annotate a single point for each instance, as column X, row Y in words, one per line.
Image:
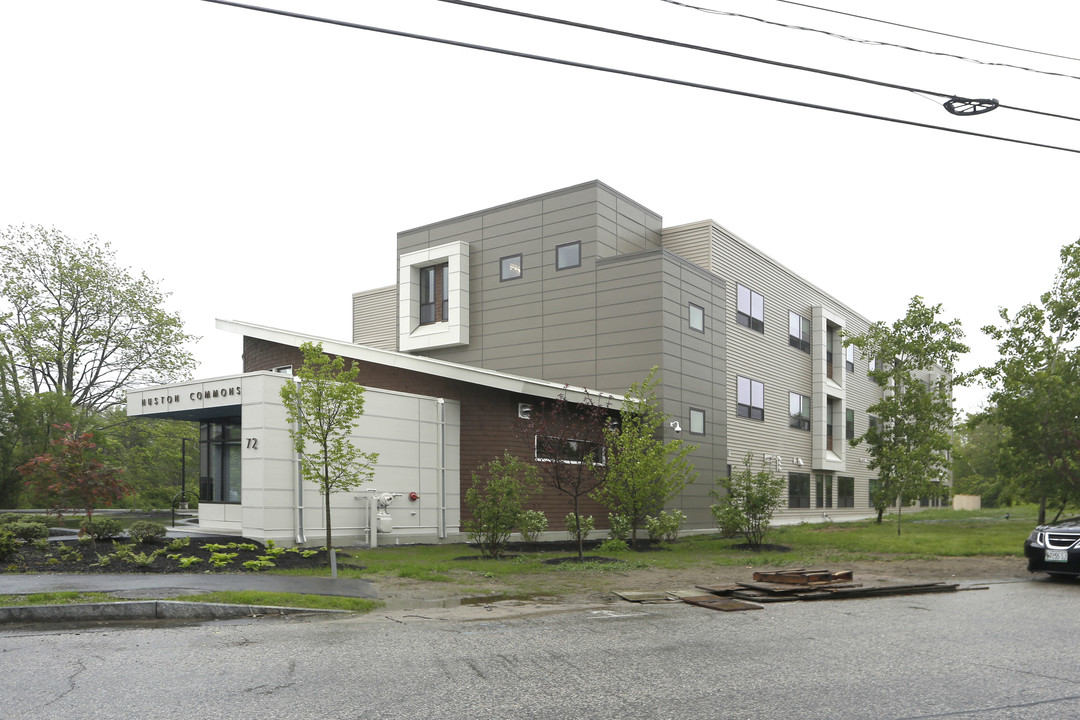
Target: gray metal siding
column 374, row 314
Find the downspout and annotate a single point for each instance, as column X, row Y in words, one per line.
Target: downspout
column 299, row 521
column 440, row 470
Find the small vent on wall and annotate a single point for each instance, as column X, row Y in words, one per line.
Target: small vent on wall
column 524, row 411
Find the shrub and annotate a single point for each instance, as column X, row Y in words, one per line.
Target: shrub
column 496, row 502
column 618, row 526
column 7, row 544
column 665, row 527
column 749, row 503
column 11, row 518
column 144, row 531
column 102, row 528
column 28, row 531
column 579, row 526
column 613, row 545
column 531, row 525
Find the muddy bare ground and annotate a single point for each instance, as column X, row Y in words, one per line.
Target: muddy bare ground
column 598, row 588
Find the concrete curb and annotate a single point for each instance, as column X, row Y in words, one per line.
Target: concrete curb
column 145, row 610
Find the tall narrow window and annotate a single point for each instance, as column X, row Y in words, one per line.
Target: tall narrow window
column 799, row 332
column 799, row 411
column 849, row 357
column 697, row 317
column 219, row 461
column 434, row 294
column 824, row 490
column 751, row 399
column 849, row 426
column 750, row 309
column 568, row 256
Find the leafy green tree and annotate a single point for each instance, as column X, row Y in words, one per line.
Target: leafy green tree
column 497, row 501
column 73, row 322
column 324, row 405
column 568, row 439
column 28, row 426
column 1035, row 387
column 983, row 463
column 74, row 476
column 639, row 470
column 747, row 502
column 916, row 361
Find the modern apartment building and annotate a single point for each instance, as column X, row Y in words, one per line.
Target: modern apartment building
column 577, row 292
column 587, row 287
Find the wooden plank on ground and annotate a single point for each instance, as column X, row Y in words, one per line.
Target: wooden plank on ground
column 803, row 577
column 643, row 595
column 724, row 604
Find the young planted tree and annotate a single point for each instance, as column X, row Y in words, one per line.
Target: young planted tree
column 641, row 471
column 73, row 476
column 916, row 361
column 324, row 405
column 1035, row 387
column 497, row 502
column 749, row 500
column 568, row 442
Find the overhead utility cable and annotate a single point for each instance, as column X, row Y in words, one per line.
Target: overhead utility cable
column 867, row 42
column 932, row 32
column 629, row 73
column 739, row 56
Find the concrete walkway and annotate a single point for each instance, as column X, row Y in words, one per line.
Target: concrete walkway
column 162, row 585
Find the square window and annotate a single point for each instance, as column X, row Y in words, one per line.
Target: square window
column 697, row 318
column 568, row 256
column 750, row 309
column 697, row 421
column 510, row 267
column 798, row 332
column 751, row 399
column 799, row 411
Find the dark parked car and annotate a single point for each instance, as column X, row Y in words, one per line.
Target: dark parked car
column 1055, row 548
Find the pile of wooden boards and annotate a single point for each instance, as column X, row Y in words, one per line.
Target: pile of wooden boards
column 799, row 584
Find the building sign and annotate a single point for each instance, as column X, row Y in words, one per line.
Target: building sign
column 185, row 397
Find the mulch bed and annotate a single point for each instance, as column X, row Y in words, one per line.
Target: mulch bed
column 72, row 556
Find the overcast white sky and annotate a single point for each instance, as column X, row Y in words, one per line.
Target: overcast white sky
column 260, row 166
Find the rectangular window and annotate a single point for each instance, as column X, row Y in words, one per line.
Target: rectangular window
column 219, row 461
column 434, row 294
column 798, row 490
column 874, row 486
column 824, row 491
column 799, row 411
column 751, row 399
column 871, row 422
column 510, row 267
column 697, row 317
column 697, row 421
column 845, row 492
column 849, row 426
column 750, row 310
column 849, row 357
column 572, row 452
column 568, row 256
column 798, row 332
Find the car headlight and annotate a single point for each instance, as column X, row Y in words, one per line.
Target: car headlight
column 1035, row 538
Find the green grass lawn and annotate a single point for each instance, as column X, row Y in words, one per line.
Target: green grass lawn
column 924, row 535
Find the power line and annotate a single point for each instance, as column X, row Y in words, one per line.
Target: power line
column 867, row 42
column 932, row 32
column 629, row 73
column 740, row 56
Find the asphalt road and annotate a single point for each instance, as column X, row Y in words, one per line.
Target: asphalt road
column 1005, row 652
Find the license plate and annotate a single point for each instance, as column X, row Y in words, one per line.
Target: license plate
column 1057, row 556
